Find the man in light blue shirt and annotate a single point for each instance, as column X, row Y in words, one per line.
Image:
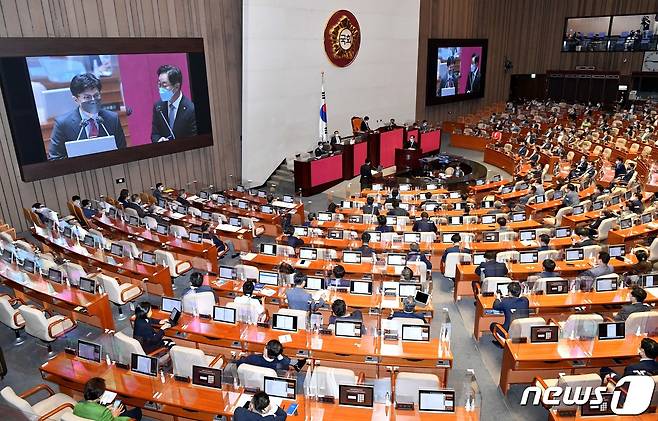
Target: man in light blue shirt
column 571, row 198
column 298, row 298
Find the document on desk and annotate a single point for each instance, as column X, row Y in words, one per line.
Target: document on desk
column 249, row 257
column 280, row 204
column 284, row 339
column 306, row 263
column 228, row 228
column 107, row 397
column 177, row 215
column 267, row 292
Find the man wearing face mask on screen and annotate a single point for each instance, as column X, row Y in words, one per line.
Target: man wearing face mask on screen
column 173, row 115
column 87, row 121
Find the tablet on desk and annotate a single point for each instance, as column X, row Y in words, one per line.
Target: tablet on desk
column 396, row 259
column 280, row 387
column 87, row 285
column 488, row 219
column 148, row 258
column 617, row 250
column 375, row 236
column 196, row 237
column 224, row 314
column 518, row 216
column 557, row 287
column 612, row 330
column 347, row 329
column 167, row 304
column 573, row 254
column 446, row 237
column 421, row 297
column 335, row 234
column 227, row 272
column 527, row 235
column 478, row 258
column 284, row 322
column 88, row 241
column 144, row 364
column 562, row 232
column 162, row 229
column 301, row 231
column 268, row 278
column 28, row 265
column 455, row 220
column 89, row 351
column 361, row 287
column 649, row 280
column 416, row 333
column 528, row 257
column 55, row 275
column 490, row 236
column 352, row 257
column 268, row 249
column 436, row 400
column 407, row 289
column 411, row 237
column 607, row 283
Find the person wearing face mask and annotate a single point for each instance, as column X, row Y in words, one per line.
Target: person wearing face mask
column 88, row 120
column 452, row 78
column 473, row 84
column 158, row 192
column 135, row 204
column 173, row 116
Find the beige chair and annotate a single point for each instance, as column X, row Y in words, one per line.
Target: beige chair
column 178, row 231
column 634, row 148
column 249, row 223
column 119, row 294
column 646, row 152
column 507, row 236
column 131, row 212
column 591, row 251
column 74, row 272
column 557, row 220
column 50, row 409
column 642, row 322
column 203, row 302
column 325, row 381
column 519, row 328
column 183, row 358
column 129, row 249
column 45, row 329
column 407, row 386
column 604, row 228
column 11, row 317
column 300, row 314
column 548, row 254
column 507, row 256
column 176, row 267
column 196, row 212
column 249, row 312
column 580, row 381
column 452, row 260
column 252, row 377
column 46, row 262
column 246, row 272
column 490, row 284
column 151, row 222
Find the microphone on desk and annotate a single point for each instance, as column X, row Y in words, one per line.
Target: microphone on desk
column 100, row 121
column 83, row 124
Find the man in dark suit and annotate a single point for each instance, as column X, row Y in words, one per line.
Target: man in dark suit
column 411, row 143
column 370, row 208
column 424, row 224
column 365, row 249
column 549, row 269
column 397, row 210
column 455, row 248
column 366, row 175
column 158, row 191
column 291, row 239
column 638, row 295
column 135, row 204
column 196, row 284
column 259, row 408
column 415, row 255
column 513, row 307
column 620, row 169
column 473, row 84
column 86, row 121
column 647, row 366
column 490, row 267
column 173, row 115
column 452, row 78
column 365, row 125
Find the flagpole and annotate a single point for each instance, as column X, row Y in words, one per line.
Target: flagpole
column 323, row 112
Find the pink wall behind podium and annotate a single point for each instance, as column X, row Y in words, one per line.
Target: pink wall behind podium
column 139, row 83
column 360, row 154
column 430, row 141
column 326, row 170
column 388, row 143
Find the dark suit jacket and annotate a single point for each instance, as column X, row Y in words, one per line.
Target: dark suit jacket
column 294, row 242
column 67, row 128
column 136, row 208
column 364, row 126
column 398, row 212
column 491, row 268
column 473, row 84
column 243, row 414
column 370, row 210
column 419, row 257
column 365, row 250
column 184, row 124
column 620, row 170
column 513, row 308
column 366, row 173
column 630, row 308
column 147, row 335
column 454, row 249
column 643, row 368
column 409, row 145
column 384, row 228
column 424, row 226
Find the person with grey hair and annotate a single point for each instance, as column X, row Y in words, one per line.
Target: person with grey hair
column 408, row 310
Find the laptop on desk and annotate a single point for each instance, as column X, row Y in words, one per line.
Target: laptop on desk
column 89, row 146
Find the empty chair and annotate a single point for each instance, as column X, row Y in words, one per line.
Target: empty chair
column 119, row 294
column 507, row 256
column 604, row 228
column 74, row 272
column 11, row 317
column 597, row 150
column 129, row 249
column 452, row 260
column 548, row 254
column 646, row 152
column 407, row 386
column 557, row 221
column 252, row 377
column 642, row 322
column 300, row 314
column 586, row 204
column 249, row 312
column 246, row 272
column 199, row 302
column 131, row 212
column 325, row 381
column 51, row 409
column 176, row 267
column 194, row 211
column 591, row 251
column 249, row 223
column 490, row 284
column 507, row 236
column 178, row 231
column 635, row 147
column 46, row 262
column 45, row 329
column 151, row 222
column 518, row 328
column 99, row 238
column 581, row 326
column 427, row 237
column 183, row 358
column 575, row 381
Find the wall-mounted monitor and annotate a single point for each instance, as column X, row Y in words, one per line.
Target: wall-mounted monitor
column 76, row 104
column 611, row 33
column 456, row 69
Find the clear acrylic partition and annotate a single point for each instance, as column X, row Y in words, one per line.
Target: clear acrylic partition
column 469, row 397
column 445, row 330
column 642, row 324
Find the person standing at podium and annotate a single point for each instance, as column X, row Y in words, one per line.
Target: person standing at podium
column 366, row 175
column 411, row 143
column 173, row 116
column 88, row 120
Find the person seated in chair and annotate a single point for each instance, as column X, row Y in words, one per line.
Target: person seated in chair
column 365, row 249
column 585, row 281
column 87, row 211
column 513, row 307
column 424, row 224
column 397, row 210
column 502, row 224
column 272, row 357
column 490, row 267
column 92, row 409
column 647, row 366
column 339, row 312
column 549, row 269
column 571, row 198
column 415, row 255
column 149, row 337
column 259, row 408
column 135, row 204
column 370, row 208
column 381, row 225
column 544, row 242
column 247, row 298
column 291, row 239
column 583, row 238
column 593, row 227
column 196, row 284
column 637, row 305
column 455, row 248
column 408, row 310
column 338, row 280
column 300, row 299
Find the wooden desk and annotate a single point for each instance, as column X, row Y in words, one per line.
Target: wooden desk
column 157, row 277
column 407, row 159
column 500, row 160
column 465, row 141
column 552, row 205
column 80, row 306
column 202, row 256
column 360, row 228
column 554, row 416
column 522, row 362
column 318, row 174
column 271, row 222
column 558, row 305
column 633, row 234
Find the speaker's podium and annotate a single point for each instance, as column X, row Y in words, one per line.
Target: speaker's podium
column 407, row 159
column 88, row 146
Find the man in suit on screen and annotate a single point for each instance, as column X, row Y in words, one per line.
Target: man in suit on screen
column 173, row 115
column 88, row 120
column 473, row 84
